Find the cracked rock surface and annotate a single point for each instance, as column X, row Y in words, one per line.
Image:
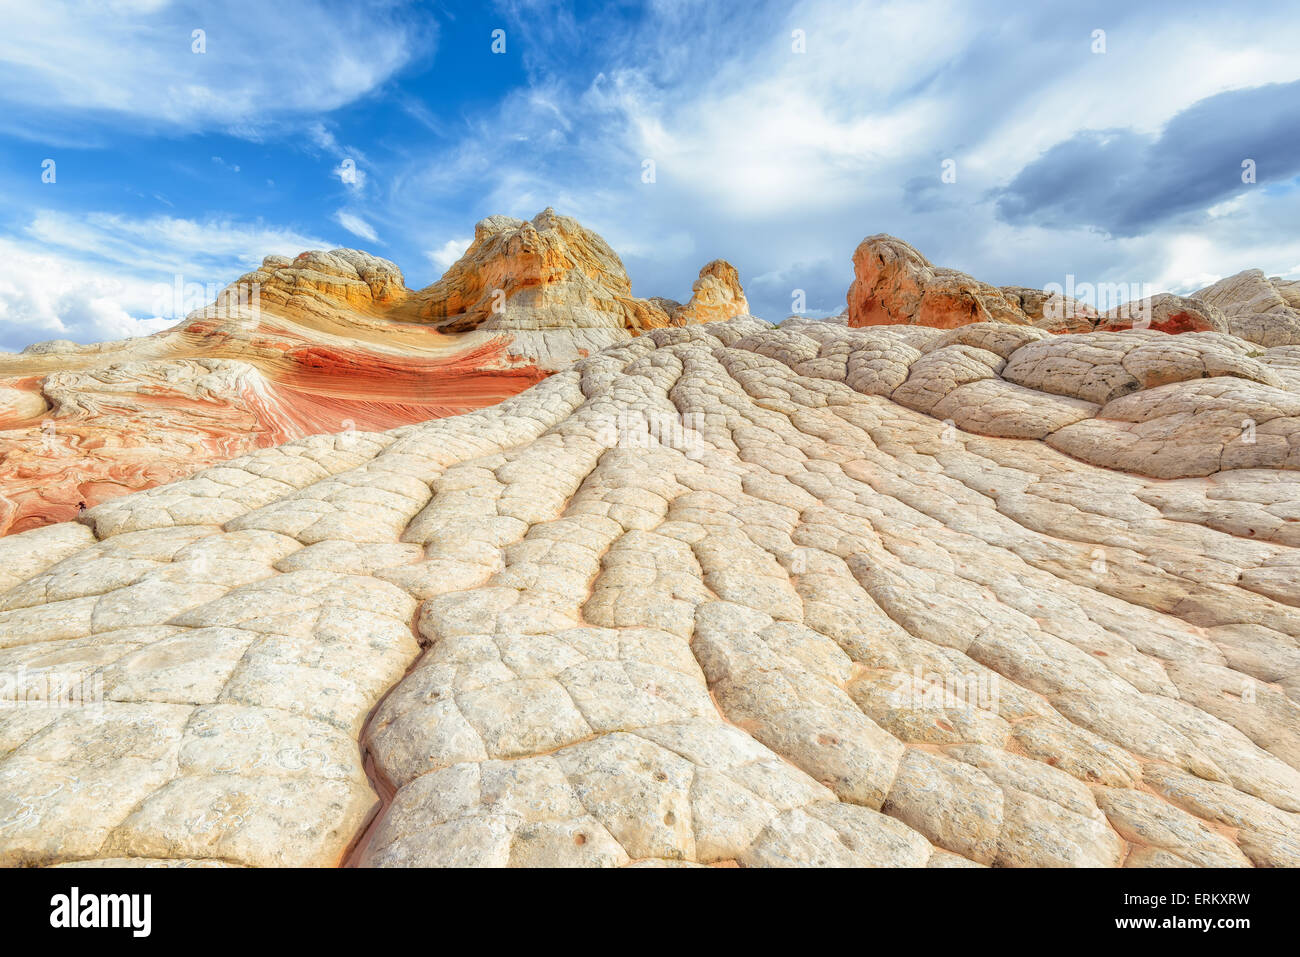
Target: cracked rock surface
column 722, row 594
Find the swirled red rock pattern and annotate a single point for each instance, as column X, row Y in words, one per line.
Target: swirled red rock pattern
column 321, row 343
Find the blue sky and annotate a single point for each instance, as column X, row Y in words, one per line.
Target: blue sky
column 393, row 127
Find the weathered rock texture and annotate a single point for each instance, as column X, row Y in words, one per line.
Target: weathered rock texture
column 722, row 593
column 1262, row 310
column 1164, row 312
column 325, row 342
column 560, row 291
column 895, row 285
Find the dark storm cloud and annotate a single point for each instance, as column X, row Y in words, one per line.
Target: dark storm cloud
column 1124, row 182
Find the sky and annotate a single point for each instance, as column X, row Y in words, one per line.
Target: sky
column 145, row 140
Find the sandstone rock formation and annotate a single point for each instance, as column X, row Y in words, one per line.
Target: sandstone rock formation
column 324, row 342
column 895, row 285
column 715, row 296
column 1164, row 312
column 79, row 426
column 560, row 291
column 718, row 594
column 1262, row 310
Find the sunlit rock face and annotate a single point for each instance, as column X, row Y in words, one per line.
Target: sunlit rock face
column 718, row 594
column 715, row 296
column 1165, row 313
column 534, row 279
column 324, row 342
column 1261, row 309
column 318, row 285
column 894, row 284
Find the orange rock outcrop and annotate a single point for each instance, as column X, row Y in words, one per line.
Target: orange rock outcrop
column 324, row 342
column 895, row 285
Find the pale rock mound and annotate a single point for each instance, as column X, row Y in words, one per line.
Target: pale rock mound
column 720, row 593
column 317, row 286
column 1165, row 312
column 1258, row 309
column 1052, row 312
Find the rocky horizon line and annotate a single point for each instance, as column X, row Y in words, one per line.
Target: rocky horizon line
column 1065, row 307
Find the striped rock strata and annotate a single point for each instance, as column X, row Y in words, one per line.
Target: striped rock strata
column 325, row 342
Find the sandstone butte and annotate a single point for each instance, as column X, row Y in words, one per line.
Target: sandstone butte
column 829, row 593
column 335, row 341
column 895, row 284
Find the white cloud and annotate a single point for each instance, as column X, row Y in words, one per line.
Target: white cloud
column 167, row 244
column 44, row 296
column 100, row 276
column 260, row 60
column 348, row 171
column 350, row 175
column 322, row 137
column 448, row 253
column 356, row 225
column 781, row 162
